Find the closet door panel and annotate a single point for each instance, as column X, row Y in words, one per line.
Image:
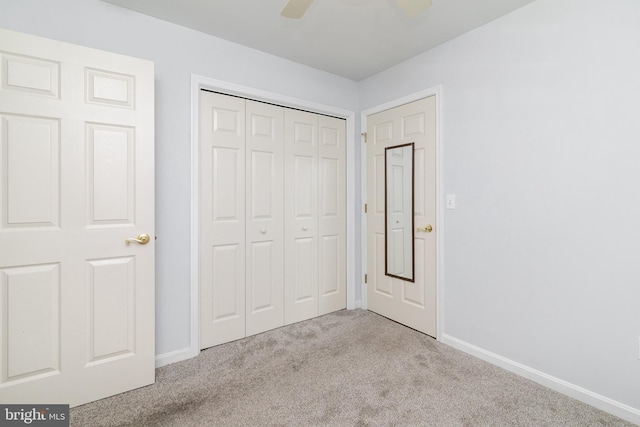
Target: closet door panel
column 265, row 217
column 332, row 215
column 301, row 216
column 222, row 219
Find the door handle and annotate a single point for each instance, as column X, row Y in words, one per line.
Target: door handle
column 142, row 239
column 428, row 228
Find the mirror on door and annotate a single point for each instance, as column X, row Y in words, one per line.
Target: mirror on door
column 398, row 197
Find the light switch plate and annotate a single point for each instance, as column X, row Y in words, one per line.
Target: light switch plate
column 451, row 201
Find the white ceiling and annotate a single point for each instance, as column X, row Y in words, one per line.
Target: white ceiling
column 351, row 38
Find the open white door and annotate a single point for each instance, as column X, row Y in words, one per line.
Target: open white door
column 76, row 181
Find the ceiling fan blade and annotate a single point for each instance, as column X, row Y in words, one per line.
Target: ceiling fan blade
column 295, row 8
column 413, row 8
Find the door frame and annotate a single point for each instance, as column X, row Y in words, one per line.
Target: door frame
column 437, row 92
column 201, row 82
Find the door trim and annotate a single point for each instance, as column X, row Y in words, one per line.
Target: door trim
column 437, row 92
column 201, row 82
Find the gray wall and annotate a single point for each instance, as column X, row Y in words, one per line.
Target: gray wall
column 541, row 137
column 177, row 52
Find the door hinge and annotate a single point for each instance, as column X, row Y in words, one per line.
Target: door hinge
column 365, row 208
column 365, row 278
column 364, row 135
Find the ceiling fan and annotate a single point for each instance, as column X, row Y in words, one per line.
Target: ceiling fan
column 296, row 8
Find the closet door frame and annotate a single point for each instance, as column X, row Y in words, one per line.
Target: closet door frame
column 199, row 83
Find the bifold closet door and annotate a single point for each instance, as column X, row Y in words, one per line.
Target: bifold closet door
column 272, row 217
column 332, row 227
column 301, row 215
column 315, row 209
column 264, row 217
column 222, row 219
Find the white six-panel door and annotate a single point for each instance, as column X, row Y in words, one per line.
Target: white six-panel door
column 301, row 213
column 332, row 214
column 222, row 219
column 410, row 303
column 76, row 181
column 283, row 237
column 265, row 217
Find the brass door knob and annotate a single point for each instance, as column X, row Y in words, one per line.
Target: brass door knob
column 427, row 229
column 142, row 239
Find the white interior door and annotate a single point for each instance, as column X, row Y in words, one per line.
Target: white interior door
column 222, row 218
column 76, row 181
column 265, row 217
column 410, row 303
column 315, row 206
column 332, row 229
column 301, row 210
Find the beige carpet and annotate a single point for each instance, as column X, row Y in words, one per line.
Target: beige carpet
column 350, row 368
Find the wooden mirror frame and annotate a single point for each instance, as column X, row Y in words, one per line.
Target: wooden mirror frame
column 386, row 214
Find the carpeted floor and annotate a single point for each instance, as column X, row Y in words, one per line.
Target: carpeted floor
column 349, row 368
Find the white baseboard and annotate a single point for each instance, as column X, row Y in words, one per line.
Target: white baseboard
column 174, row 356
column 611, row 406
